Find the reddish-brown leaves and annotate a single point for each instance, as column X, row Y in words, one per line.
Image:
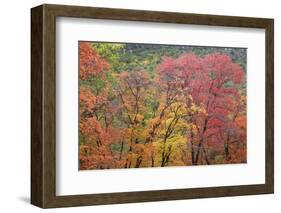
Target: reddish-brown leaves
column 212, row 82
column 91, row 64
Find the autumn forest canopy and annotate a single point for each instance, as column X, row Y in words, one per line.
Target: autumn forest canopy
column 149, row 105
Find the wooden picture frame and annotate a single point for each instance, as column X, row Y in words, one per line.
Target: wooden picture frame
column 43, row 105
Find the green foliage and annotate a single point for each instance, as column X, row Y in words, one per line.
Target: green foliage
column 146, row 56
column 112, row 52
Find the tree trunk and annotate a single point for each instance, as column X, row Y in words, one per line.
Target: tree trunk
column 121, row 150
column 138, row 162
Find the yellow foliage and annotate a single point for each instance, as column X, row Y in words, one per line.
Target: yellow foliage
column 139, row 117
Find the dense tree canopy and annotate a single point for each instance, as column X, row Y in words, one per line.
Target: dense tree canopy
column 159, row 105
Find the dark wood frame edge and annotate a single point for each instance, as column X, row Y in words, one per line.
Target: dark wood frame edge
column 43, row 104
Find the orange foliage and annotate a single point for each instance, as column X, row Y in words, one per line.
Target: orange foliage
column 91, row 64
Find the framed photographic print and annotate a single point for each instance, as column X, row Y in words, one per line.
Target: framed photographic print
column 135, row 106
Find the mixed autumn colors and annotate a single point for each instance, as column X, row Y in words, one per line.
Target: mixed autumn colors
column 158, row 106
